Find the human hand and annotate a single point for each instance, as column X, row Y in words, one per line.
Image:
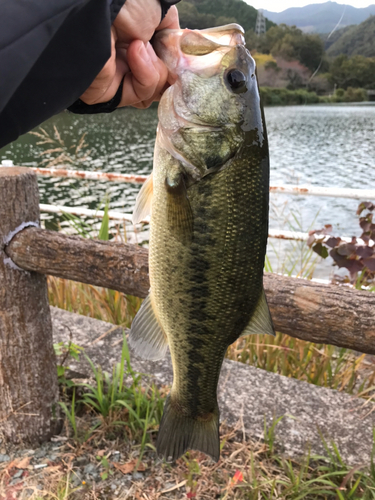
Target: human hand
column 133, row 58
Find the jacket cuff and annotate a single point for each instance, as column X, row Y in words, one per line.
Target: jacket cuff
column 81, row 108
column 115, row 7
column 165, row 5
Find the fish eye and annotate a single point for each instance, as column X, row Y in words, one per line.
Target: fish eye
column 236, row 81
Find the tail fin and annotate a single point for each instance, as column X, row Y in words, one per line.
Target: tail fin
column 179, row 433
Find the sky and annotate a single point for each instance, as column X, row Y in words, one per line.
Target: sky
column 280, row 5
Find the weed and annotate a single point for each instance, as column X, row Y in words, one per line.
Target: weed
column 318, row 364
column 121, row 401
column 269, row 433
column 295, row 259
column 107, row 470
column 71, row 414
column 58, row 152
column 65, row 350
column 99, row 303
column 193, row 473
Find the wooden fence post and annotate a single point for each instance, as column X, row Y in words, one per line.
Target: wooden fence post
column 28, row 376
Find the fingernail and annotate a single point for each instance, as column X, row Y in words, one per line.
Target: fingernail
column 143, row 53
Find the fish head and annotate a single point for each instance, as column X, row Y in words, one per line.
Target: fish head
column 213, row 108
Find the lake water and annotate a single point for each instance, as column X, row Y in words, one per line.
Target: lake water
column 330, row 146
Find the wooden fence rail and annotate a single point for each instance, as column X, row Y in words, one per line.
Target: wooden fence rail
column 300, row 308
column 310, row 311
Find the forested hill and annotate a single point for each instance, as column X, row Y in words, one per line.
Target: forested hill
column 199, row 14
column 323, row 17
column 356, row 40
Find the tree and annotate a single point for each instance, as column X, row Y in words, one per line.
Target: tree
column 191, row 18
column 356, row 71
column 291, row 43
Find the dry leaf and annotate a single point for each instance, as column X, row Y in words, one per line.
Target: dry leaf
column 101, row 453
column 129, row 467
column 23, row 464
column 10, row 465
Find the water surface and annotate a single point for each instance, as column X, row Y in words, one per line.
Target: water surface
column 330, row 146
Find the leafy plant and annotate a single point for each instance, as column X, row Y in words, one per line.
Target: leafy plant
column 121, row 400
column 104, row 227
column 108, row 471
column 132, row 405
column 65, row 350
column 358, row 257
column 108, row 391
column 192, row 475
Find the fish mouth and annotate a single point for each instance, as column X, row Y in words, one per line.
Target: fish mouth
column 229, row 34
column 199, row 51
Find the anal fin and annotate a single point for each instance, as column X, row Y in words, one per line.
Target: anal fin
column 261, row 321
column 147, row 337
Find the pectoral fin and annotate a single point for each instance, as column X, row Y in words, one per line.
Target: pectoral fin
column 179, row 212
column 261, row 321
column 143, row 204
column 147, row 337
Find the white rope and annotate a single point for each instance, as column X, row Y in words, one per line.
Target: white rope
column 7, row 239
column 273, row 233
column 356, row 194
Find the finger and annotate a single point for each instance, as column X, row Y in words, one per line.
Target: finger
column 104, row 87
column 147, row 78
column 171, row 20
column 137, row 20
column 143, row 104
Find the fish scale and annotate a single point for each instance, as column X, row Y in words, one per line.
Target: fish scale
column 209, row 226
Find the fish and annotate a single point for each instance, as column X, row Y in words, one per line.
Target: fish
column 207, row 198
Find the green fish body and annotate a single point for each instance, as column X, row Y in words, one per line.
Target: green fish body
column 208, row 198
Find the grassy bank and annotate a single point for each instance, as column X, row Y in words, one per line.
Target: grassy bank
column 317, row 364
column 282, row 96
column 107, row 451
column 111, row 422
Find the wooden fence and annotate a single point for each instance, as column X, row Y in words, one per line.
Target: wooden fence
column 28, row 382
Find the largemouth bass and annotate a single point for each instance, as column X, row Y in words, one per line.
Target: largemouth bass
column 208, row 199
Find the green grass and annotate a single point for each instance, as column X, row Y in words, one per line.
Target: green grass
column 126, row 409
column 123, row 401
column 285, row 97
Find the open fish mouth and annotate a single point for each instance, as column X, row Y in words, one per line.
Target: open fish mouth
column 179, row 49
column 214, row 99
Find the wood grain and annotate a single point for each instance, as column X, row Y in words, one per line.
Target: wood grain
column 28, row 376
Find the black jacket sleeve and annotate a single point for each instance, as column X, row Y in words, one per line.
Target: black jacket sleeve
column 50, row 52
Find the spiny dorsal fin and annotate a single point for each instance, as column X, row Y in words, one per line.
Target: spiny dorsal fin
column 143, row 204
column 261, row 321
column 147, row 337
